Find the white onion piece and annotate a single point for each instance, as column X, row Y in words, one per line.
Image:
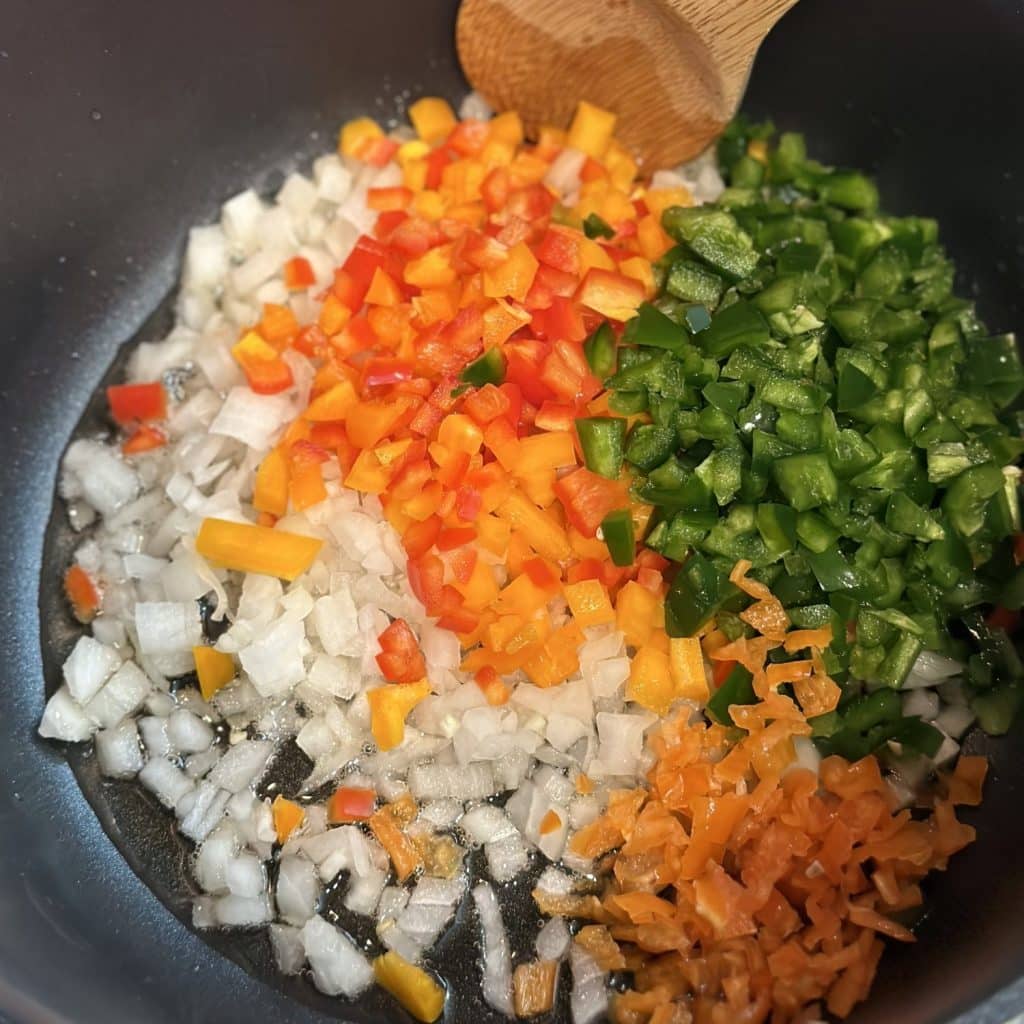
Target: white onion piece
column 497, row 961
column 242, row 765
column 287, row 945
column 123, row 694
column 552, row 942
column 105, row 481
column 955, row 720
column 252, row 419
column 205, row 813
column 338, row 967
column 923, row 703
column 118, row 751
column 589, row 999
column 63, row 719
column 166, row 781
column 298, row 889
column 88, row 667
column 166, row 627
column 935, row 667
column 242, row 911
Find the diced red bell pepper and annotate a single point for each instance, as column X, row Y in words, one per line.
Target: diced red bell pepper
column 298, row 274
column 437, row 161
column 426, row 580
column 132, row 403
column 561, row 320
column 612, row 295
column 463, row 561
column 468, row 502
column 400, row 659
column 558, row 282
column 587, row 498
column 455, row 537
column 310, row 340
column 453, row 613
column 144, row 439
column 486, row 404
column 531, row 203
column 524, row 361
column 468, row 137
column 720, row 671
column 495, row 189
column 419, row 538
column 560, row 248
column 541, row 574
column 388, row 223
column 366, row 256
column 385, row 370
column 1003, row 618
column 349, row 803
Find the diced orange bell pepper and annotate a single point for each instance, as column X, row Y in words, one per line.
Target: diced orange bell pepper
column 432, row 270
column 611, row 294
column 390, row 706
column 249, row 548
column 650, row 680
column 557, row 659
column 432, row 118
column 383, row 291
column 214, row 670
column 288, row 816
column 686, row 660
column 591, row 129
column 513, row 278
column 334, row 404
column 270, row 493
column 539, row 527
column 350, row 803
column 416, row 990
column 369, row 422
column 82, row 592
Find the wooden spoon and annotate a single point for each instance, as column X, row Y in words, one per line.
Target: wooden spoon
column 673, row 71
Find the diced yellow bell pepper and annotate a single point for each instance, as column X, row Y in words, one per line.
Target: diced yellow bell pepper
column 288, row 816
column 589, row 604
column 539, row 527
column 431, row 270
column 413, row 150
column 539, row 486
column 270, row 491
column 410, row 985
column 506, row 127
column 333, row 404
column 355, row 134
column 650, row 680
column 640, row 270
column 653, row 241
column 259, row 549
column 658, row 200
column 593, row 255
column 390, row 706
column 414, row 172
column 621, row 167
column 551, row 450
column 429, row 204
column 758, row 149
column 522, row 597
column 591, row 129
column 214, row 669
column 514, row 276
column 252, row 347
column 637, row 613
column 687, row 662
column 433, row 118
column 493, row 534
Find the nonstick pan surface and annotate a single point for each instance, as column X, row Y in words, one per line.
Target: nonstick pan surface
column 124, row 123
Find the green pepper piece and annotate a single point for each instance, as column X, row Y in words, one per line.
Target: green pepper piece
column 997, row 708
column 907, row 517
column 595, row 226
column 715, row 236
column 488, row 369
column 697, row 592
column 806, row 480
column 603, row 440
column 899, row 660
column 650, row 445
column 784, row 393
column 652, row 329
column 693, row 282
column 726, row 397
column 993, row 368
column 736, row 688
column 617, row 530
column 854, row 388
column 777, row 525
column 788, row 157
column 738, row 324
column 849, row 189
column 815, row 533
column 747, row 172
column 968, row 495
column 599, row 350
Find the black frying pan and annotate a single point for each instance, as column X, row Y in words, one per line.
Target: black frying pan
column 121, row 124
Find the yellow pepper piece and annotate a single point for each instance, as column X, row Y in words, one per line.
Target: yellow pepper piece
column 557, row 659
column 429, row 203
column 333, row 316
column 431, row 270
column 539, row 528
column 270, row 492
column 432, row 118
column 551, row 450
column 591, row 129
column 640, row 270
column 413, row 150
column 214, row 668
column 355, row 134
column 758, row 149
column 481, row 590
column 686, row 660
column 333, row 404
column 637, row 613
column 658, row 200
column 593, row 255
column 253, row 348
column 390, row 706
column 288, row 816
column 460, row 433
column 522, row 597
column 260, row 549
column 589, row 604
column 650, row 680
column 410, row 985
column 507, row 127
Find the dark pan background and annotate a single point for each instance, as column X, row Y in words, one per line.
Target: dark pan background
column 121, row 124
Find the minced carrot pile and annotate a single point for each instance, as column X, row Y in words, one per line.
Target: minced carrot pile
column 743, row 886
